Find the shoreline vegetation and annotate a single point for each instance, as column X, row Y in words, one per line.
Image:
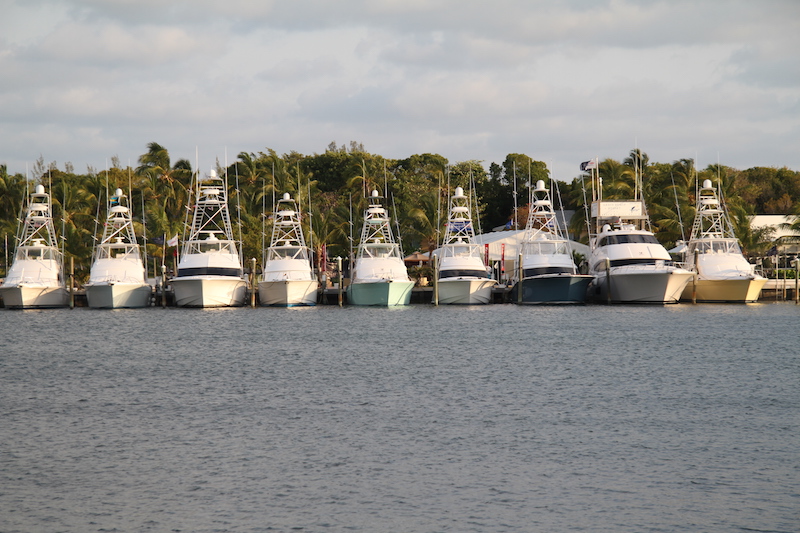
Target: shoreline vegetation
column 331, row 187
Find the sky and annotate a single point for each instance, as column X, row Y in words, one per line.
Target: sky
column 84, row 81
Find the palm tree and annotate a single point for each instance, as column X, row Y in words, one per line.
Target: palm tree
column 164, row 183
column 619, row 180
column 75, row 214
column 13, row 190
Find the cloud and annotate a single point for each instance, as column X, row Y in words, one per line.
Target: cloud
column 115, row 46
column 561, row 81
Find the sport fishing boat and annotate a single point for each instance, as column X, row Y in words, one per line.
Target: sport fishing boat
column 210, row 272
column 713, row 252
column 36, row 279
column 288, row 279
column 117, row 278
column 379, row 277
column 549, row 274
column 627, row 262
column 462, row 275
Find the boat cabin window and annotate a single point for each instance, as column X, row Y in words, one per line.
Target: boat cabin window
column 529, row 272
column 601, row 265
column 463, row 274
column 628, row 239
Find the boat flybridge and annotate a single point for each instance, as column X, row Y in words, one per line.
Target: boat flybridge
column 36, row 279
column 288, row 279
column 627, row 262
column 117, row 277
column 713, row 252
column 210, row 272
column 462, row 274
column 549, row 274
column 379, row 276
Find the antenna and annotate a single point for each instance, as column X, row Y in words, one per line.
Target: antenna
column 515, row 195
column 350, row 196
column 677, row 205
column 439, row 205
column 310, row 223
column 238, row 206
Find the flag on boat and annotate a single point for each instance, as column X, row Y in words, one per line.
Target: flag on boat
column 157, row 240
column 173, row 241
column 588, row 165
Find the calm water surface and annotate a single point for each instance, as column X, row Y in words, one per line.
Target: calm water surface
column 419, row 419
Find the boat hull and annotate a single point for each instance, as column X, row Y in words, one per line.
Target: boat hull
column 725, row 290
column 380, row 293
column 553, row 289
column 219, row 291
column 465, row 291
column 27, row 297
column 637, row 286
column 118, row 295
column 288, row 293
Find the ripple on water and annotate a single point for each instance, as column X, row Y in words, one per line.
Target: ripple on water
column 495, row 418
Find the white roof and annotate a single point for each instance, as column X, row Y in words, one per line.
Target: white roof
column 774, row 221
column 512, row 240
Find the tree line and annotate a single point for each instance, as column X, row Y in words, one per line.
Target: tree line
column 331, row 187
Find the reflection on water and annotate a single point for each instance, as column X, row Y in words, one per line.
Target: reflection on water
column 494, row 418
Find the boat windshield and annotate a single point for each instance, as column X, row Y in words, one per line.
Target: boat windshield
column 461, row 250
column 720, row 246
column 288, row 252
column 380, row 250
column 628, row 239
column 117, row 251
column 545, row 248
column 212, row 246
column 37, row 252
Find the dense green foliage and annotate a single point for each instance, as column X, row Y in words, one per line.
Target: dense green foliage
column 331, row 187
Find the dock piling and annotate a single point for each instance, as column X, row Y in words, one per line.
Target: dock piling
column 71, row 282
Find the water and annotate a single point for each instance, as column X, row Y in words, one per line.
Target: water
column 419, row 419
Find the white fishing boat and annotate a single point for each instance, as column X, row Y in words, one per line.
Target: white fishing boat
column 287, row 279
column 723, row 274
column 626, row 260
column 462, row 275
column 549, row 274
column 117, row 277
column 379, row 276
column 36, row 279
column 210, row 272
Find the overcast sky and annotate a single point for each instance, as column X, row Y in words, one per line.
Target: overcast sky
column 85, row 80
